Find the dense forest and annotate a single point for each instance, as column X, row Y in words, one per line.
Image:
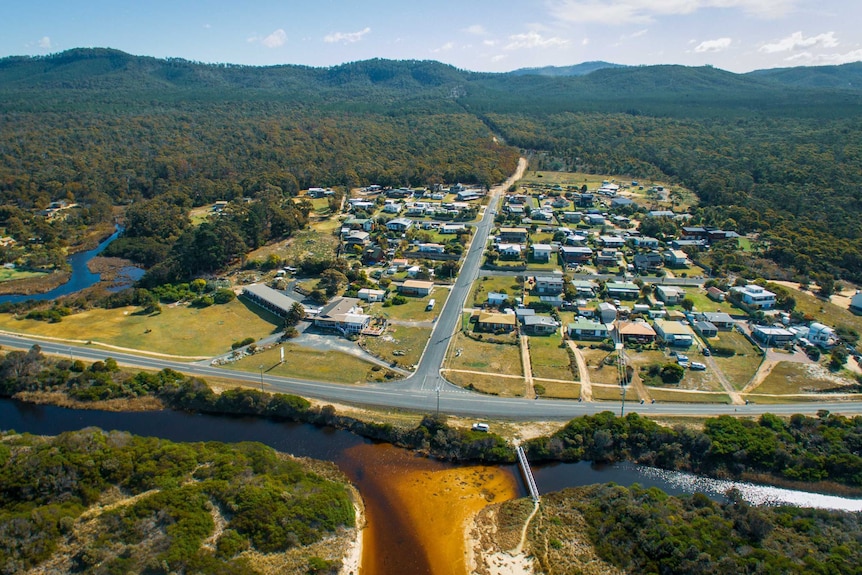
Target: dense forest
column 168, row 498
column 646, row 531
column 778, row 153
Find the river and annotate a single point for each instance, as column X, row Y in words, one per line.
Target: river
column 81, row 276
column 412, row 503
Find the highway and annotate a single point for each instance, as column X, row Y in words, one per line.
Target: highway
column 425, row 389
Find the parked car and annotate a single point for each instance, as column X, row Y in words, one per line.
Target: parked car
column 481, row 427
column 697, row 366
column 706, row 352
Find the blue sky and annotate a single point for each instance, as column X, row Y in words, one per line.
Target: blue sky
column 480, row 35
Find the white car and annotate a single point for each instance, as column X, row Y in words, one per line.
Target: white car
column 481, row 427
column 697, row 366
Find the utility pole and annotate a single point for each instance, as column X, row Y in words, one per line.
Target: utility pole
column 260, row 367
column 438, row 399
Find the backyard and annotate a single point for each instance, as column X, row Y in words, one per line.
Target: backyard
column 549, row 360
column 498, row 284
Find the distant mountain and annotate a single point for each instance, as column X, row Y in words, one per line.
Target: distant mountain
column 576, row 70
column 848, row 76
column 93, row 78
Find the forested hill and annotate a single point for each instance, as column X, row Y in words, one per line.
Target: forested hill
column 107, row 75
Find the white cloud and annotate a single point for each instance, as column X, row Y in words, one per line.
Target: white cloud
column 809, row 59
column 533, row 39
column 585, row 41
column 207, row 26
column 639, row 33
column 475, row 29
column 489, row 42
column 274, row 40
column 444, row 48
column 498, row 58
column 643, row 11
column 718, row 45
column 346, row 37
column 797, row 40
column 45, row 43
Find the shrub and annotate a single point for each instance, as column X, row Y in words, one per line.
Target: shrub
column 223, row 295
column 672, row 373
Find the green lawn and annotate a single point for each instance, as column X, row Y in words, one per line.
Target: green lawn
column 487, row 284
column 703, row 304
column 482, row 356
column 329, row 366
column 177, row 330
column 400, row 343
column 548, row 359
column 414, row 309
column 14, row 274
column 740, row 368
column 558, row 389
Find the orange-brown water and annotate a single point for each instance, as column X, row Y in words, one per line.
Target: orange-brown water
column 417, row 509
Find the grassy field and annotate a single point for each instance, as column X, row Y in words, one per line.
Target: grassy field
column 308, row 243
column 7, row 275
column 548, row 359
column 414, row 309
column 481, row 356
column 179, row 330
column 487, row 284
column 611, row 393
column 330, row 366
column 704, row 304
column 490, row 384
column 671, row 396
column 407, row 342
column 559, row 390
column 792, row 378
column 599, row 372
column 740, row 368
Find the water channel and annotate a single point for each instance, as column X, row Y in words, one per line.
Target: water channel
column 412, row 503
column 81, row 276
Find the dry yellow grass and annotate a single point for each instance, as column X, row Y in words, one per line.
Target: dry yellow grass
column 178, row 330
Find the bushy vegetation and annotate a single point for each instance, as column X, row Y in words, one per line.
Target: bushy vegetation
column 270, row 503
column 646, row 531
column 803, row 448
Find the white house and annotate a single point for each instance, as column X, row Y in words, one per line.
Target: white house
column 821, row 335
column 510, row 251
column 541, row 252
column 755, row 296
column 399, row 224
column 432, row 248
column 607, row 312
column 669, row 294
column 393, row 208
column 371, row 295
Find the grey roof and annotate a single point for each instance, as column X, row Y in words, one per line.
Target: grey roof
column 704, row 326
column 539, row 320
column 269, row 295
column 720, row 317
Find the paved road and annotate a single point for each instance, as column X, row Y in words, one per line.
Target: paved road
column 425, row 388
